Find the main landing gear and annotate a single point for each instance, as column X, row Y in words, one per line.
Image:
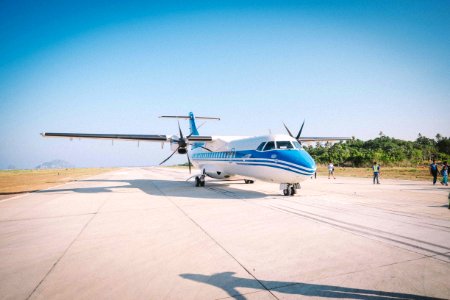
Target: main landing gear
column 289, row 189
column 200, row 180
column 248, row 181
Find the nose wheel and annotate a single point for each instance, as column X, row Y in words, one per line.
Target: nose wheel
column 289, row 189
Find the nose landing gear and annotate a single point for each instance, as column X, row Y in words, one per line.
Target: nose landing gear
column 289, row 189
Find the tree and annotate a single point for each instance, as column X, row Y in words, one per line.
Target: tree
column 385, row 149
column 443, row 145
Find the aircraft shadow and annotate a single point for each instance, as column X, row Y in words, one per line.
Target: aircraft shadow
column 228, row 282
column 171, row 188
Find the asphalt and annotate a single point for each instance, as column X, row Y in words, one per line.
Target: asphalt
column 146, row 233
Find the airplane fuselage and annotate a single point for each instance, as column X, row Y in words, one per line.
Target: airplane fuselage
column 271, row 158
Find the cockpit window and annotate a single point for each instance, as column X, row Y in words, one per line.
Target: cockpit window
column 269, row 146
column 260, row 147
column 297, row 145
column 284, row 145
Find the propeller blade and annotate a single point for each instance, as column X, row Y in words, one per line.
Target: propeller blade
column 189, row 163
column 181, row 133
column 300, row 131
column 198, row 127
column 206, row 148
column 290, row 133
column 169, row 156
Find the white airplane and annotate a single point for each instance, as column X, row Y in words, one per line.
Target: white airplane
column 272, row 158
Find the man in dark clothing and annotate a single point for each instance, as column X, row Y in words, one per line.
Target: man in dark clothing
column 434, row 171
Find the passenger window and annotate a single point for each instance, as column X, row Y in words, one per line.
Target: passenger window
column 260, row 147
column 269, row 146
column 284, row 145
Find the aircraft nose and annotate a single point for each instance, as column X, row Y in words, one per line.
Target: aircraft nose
column 307, row 161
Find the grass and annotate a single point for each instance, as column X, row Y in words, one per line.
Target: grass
column 22, row 181
column 405, row 173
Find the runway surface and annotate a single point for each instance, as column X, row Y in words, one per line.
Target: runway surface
column 146, row 233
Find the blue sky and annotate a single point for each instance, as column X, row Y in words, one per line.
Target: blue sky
column 350, row 68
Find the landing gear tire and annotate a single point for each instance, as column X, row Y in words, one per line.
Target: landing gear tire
column 293, row 191
column 247, row 181
column 198, row 182
column 290, row 189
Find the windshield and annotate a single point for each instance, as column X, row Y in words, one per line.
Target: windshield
column 269, row 146
column 297, row 145
column 284, row 145
column 260, row 147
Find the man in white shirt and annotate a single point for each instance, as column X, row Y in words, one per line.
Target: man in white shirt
column 331, row 170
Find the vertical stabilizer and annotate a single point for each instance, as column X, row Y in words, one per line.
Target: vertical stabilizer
column 193, row 126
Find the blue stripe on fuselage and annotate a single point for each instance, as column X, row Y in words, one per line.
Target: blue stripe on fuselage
column 299, row 160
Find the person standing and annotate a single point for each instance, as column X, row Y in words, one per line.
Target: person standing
column 444, row 173
column 376, row 172
column 331, row 170
column 434, row 171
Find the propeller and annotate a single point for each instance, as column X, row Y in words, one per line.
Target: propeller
column 299, row 132
column 182, row 147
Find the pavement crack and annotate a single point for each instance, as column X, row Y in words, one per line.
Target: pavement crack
column 214, row 240
column 361, row 232
column 65, row 251
column 46, row 218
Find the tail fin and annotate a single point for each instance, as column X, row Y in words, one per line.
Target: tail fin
column 191, row 118
column 193, row 126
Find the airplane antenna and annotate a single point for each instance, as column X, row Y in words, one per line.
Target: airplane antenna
column 198, row 127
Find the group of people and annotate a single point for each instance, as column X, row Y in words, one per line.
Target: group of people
column 434, row 171
column 375, row 168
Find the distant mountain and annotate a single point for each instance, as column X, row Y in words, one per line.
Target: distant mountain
column 55, row 164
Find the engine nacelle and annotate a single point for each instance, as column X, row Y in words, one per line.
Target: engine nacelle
column 178, row 144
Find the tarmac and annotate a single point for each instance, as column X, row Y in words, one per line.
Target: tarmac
column 146, row 233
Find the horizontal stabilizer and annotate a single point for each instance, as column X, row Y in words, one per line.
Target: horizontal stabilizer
column 188, row 117
column 323, row 138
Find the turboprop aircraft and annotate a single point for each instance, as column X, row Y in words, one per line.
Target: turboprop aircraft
column 272, row 158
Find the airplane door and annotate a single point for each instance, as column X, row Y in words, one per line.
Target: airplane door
column 232, row 154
